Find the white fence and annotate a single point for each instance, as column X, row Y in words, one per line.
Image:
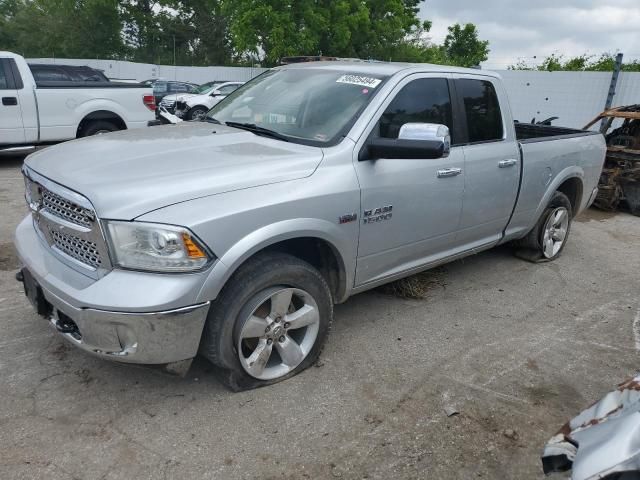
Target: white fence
column 574, row 97
column 130, row 71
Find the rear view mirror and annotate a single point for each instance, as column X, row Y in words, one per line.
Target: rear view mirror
column 415, row 141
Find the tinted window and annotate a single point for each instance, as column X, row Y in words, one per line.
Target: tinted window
column 4, row 83
column 177, row 87
column 484, row 120
column 49, row 74
column 90, row 75
column 159, row 88
column 425, row 100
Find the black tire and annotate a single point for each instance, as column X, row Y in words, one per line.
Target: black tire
column 530, row 247
column 97, row 127
column 195, row 111
column 227, row 314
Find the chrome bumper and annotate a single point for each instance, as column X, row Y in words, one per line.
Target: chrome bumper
column 149, row 338
column 126, row 316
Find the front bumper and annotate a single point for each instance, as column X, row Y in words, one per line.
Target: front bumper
column 150, row 338
column 156, row 329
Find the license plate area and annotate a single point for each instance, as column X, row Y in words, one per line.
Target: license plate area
column 34, row 293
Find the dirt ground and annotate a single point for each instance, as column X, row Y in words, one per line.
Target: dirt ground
column 515, row 348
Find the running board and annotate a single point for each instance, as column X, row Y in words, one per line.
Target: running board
column 21, row 149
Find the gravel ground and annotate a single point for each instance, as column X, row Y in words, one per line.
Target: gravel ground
column 515, row 348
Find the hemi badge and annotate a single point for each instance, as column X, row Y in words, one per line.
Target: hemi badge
column 351, row 217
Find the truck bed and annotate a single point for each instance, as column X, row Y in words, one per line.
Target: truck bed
column 67, row 84
column 530, row 133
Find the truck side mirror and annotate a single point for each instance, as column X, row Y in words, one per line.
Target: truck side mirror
column 215, row 93
column 415, row 141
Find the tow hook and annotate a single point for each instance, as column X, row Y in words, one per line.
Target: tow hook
column 65, row 325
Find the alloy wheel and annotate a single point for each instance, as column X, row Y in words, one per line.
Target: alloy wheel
column 279, row 333
column 555, row 232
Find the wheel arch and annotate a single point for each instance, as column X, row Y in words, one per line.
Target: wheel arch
column 568, row 179
column 315, row 246
column 104, row 115
column 573, row 188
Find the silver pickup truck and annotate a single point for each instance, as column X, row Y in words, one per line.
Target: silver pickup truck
column 235, row 236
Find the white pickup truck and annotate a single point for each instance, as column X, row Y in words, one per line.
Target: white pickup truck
column 33, row 113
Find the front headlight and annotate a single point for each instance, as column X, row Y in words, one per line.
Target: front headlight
column 155, row 247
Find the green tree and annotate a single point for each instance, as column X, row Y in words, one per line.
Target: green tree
column 463, row 47
column 62, row 28
column 582, row 63
column 271, row 29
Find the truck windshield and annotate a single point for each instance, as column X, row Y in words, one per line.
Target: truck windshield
column 306, row 105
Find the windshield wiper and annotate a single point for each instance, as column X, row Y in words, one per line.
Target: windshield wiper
column 253, row 128
column 212, row 120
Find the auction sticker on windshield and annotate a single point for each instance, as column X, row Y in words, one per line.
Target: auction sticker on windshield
column 359, row 80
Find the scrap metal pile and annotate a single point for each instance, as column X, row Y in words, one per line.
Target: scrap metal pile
column 620, row 180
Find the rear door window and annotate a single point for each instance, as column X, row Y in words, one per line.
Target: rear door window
column 425, row 100
column 4, row 77
column 482, row 109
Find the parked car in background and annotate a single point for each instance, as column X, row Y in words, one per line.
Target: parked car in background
column 235, row 236
column 66, row 73
column 195, row 107
column 34, row 111
column 168, row 102
column 162, row 88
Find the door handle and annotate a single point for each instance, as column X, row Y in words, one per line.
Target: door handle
column 507, row 163
column 449, row 172
column 9, row 101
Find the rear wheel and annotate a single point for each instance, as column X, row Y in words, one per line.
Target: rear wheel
column 269, row 323
column 98, row 127
column 548, row 238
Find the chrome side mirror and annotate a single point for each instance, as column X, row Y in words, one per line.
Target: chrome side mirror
column 430, row 132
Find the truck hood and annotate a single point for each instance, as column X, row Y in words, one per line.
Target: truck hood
column 129, row 173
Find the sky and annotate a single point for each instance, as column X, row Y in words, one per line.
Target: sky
column 524, row 29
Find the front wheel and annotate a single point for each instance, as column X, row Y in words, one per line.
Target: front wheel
column 196, row 114
column 269, row 323
column 545, row 242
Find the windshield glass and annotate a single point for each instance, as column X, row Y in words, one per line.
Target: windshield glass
column 312, row 106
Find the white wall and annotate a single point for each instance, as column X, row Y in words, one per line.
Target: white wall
column 121, row 70
column 575, row 97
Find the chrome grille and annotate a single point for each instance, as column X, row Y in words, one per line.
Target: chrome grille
column 82, row 250
column 67, row 223
column 65, row 209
